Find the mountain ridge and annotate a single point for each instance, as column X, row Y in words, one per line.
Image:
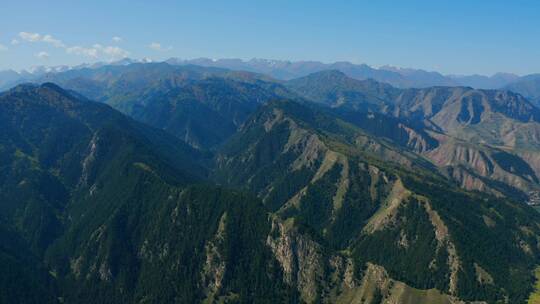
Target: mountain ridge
column 286, row 70
column 297, row 166
column 460, row 122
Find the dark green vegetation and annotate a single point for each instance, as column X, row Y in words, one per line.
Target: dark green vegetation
column 96, row 207
column 367, row 195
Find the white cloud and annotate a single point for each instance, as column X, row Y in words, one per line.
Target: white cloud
column 97, row 50
column 35, row 37
column 3, row 47
column 42, row 55
column 31, row 37
column 55, row 42
column 115, row 52
column 79, row 50
column 156, row 46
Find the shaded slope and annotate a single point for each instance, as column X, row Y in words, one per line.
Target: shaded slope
column 97, row 207
column 202, row 106
column 528, row 86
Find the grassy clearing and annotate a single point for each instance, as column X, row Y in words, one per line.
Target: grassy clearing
column 534, row 298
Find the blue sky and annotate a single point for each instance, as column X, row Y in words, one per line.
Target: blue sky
column 460, row 37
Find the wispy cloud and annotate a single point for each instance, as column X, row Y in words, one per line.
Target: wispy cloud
column 79, row 50
column 95, row 51
column 3, row 47
column 156, row 46
column 55, row 42
column 115, row 52
column 36, row 37
column 42, row 55
column 112, row 51
column 31, row 37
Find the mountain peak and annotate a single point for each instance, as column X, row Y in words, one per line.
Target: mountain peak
column 52, row 86
column 47, row 94
column 32, row 88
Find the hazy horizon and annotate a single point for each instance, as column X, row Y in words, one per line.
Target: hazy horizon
column 458, row 38
column 245, row 60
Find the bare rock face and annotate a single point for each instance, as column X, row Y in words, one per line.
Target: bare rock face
column 415, row 141
column 532, row 157
column 300, row 258
column 473, row 165
column 215, row 265
column 88, row 160
column 322, row 277
column 378, row 287
column 443, row 241
column 469, row 125
column 316, row 275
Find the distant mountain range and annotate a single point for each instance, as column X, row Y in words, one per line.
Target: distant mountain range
column 527, row 85
column 10, row 78
column 397, row 77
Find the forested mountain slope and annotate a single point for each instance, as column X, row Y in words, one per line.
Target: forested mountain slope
column 97, row 207
column 370, row 203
